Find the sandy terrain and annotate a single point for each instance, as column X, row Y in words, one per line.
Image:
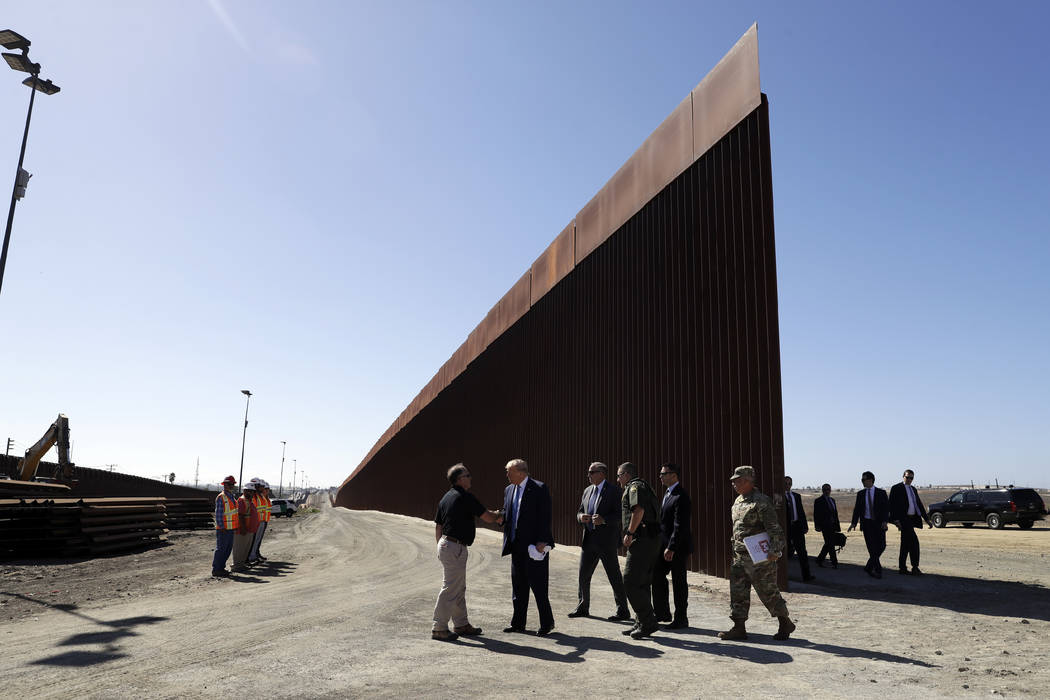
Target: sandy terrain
column 343, row 607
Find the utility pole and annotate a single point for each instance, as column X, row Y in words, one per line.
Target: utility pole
column 10, row 444
column 280, row 485
column 295, row 467
column 197, row 472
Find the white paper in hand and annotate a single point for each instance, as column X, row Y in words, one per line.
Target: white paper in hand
column 537, row 554
column 758, row 547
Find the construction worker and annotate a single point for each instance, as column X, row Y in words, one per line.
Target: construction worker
column 262, row 503
column 247, row 524
column 226, row 523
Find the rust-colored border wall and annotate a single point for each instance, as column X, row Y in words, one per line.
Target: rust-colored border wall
column 661, row 344
column 723, row 98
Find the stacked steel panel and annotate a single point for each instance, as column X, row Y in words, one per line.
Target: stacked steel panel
column 113, row 524
column 647, row 332
column 190, row 513
column 39, row 528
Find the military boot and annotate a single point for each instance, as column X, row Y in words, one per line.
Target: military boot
column 738, row 631
column 786, row 628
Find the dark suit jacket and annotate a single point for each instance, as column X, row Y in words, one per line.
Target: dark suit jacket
column 899, row 505
column 534, row 518
column 880, row 508
column 605, row 536
column 675, row 534
column 825, row 519
column 802, row 525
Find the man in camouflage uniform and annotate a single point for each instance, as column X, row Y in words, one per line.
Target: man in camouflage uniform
column 752, row 514
column 641, row 527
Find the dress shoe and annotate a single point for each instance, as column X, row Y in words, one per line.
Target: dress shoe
column 877, row 574
column 620, row 616
column 512, row 629
column 444, row 636
column 467, row 630
column 678, row 624
column 903, row 571
column 545, row 630
column 221, row 574
column 261, row 558
column 628, row 633
column 915, row 571
column 665, row 617
column 834, row 565
column 643, row 632
column 820, row 563
column 579, row 613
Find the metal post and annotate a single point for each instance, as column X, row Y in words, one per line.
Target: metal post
column 244, row 435
column 14, row 188
column 280, row 485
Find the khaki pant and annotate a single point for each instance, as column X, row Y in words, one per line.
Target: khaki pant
column 452, row 600
column 242, row 545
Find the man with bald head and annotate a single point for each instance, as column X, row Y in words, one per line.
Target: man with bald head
column 599, row 514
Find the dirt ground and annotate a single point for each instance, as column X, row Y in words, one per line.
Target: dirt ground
column 343, row 607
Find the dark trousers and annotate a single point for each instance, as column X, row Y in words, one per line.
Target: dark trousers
column 676, row 567
column 875, row 541
column 909, row 545
column 638, row 578
column 223, row 548
column 589, row 558
column 828, row 548
column 528, row 574
column 797, row 542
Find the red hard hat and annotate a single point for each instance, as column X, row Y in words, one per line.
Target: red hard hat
column 229, row 480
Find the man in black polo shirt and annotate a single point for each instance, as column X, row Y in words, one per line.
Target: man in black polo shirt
column 454, row 532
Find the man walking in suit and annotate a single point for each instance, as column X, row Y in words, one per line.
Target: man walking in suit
column 797, row 527
column 907, row 512
column 676, row 540
column 872, row 510
column 599, row 514
column 826, row 522
column 527, row 539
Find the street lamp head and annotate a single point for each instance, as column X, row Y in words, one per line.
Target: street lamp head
column 246, row 392
column 44, row 86
column 11, row 39
column 19, row 61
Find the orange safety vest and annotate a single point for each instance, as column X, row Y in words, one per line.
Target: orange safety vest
column 262, row 504
column 230, row 519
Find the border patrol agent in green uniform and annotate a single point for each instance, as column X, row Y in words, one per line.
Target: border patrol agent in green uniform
column 641, row 524
column 753, row 513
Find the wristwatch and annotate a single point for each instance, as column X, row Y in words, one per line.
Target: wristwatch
column 629, row 533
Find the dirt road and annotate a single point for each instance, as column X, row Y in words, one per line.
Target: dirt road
column 343, row 608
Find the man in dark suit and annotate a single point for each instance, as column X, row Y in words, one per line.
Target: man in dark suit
column 872, row 510
column 599, row 513
column 826, row 522
column 797, row 527
column 676, row 540
column 527, row 539
column 907, row 512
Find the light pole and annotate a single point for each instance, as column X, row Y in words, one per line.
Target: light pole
column 20, row 61
column 295, row 468
column 244, row 435
column 280, row 485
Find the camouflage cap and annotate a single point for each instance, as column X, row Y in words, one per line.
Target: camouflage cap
column 743, row 473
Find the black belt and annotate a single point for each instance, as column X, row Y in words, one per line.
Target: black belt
column 453, row 539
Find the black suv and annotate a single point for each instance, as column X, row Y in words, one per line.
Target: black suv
column 996, row 507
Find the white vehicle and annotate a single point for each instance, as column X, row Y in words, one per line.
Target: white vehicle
column 281, row 506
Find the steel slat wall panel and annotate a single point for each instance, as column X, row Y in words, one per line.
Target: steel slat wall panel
column 660, row 345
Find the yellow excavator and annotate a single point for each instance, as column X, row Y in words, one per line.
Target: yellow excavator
column 57, row 434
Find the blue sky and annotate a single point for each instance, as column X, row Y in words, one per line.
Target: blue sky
column 320, row 200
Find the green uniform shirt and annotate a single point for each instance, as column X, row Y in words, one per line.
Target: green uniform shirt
column 639, row 493
column 752, row 514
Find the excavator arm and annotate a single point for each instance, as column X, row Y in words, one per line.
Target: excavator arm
column 57, row 434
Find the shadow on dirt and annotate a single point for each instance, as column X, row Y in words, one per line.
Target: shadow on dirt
column 958, row 594
column 118, row 630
